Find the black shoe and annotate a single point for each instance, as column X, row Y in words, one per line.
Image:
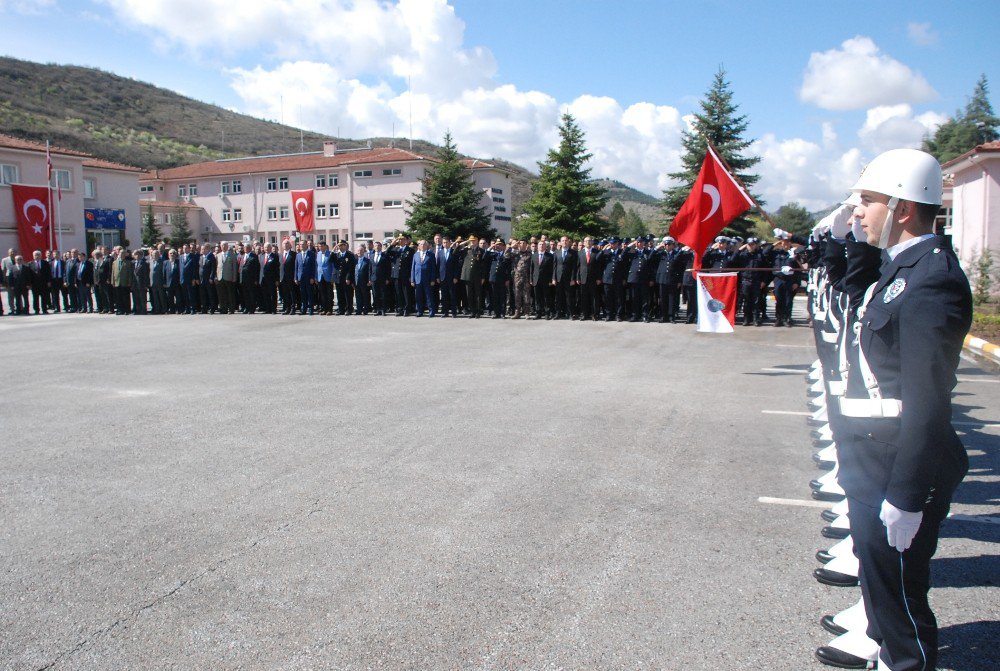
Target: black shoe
column 824, row 465
column 827, row 623
column 835, row 578
column 817, row 422
column 815, row 485
column 828, row 496
column 842, row 660
column 836, row 533
column 823, row 557
column 829, row 515
column 779, row 323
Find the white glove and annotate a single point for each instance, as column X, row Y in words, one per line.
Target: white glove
column 859, row 233
column 786, row 270
column 840, row 225
column 900, row 525
column 820, row 229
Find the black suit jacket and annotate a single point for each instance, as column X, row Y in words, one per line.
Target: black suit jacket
column 287, row 273
column 270, row 271
column 40, row 275
column 380, row 271
column 500, row 266
column 250, row 269
column 587, row 273
column 541, row 269
column 564, row 270
column 912, row 332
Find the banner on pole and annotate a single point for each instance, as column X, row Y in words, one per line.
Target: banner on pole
column 716, row 302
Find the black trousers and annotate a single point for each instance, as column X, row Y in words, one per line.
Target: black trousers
column 404, row 296
column 139, row 300
column 363, row 299
column 751, row 295
column 449, row 304
column 123, row 300
column 248, row 291
column 40, row 298
column 894, row 585
column 84, row 298
column 325, row 295
column 289, row 302
column 379, row 291
column 690, row 292
column 57, row 292
column 563, row 302
column 105, row 298
column 498, row 298
column 226, row 293
column 174, row 300
column 587, row 305
column 638, row 294
column 542, row 294
column 158, row 299
column 783, row 295
column 474, row 296
column 669, row 301
column 208, row 297
column 345, row 298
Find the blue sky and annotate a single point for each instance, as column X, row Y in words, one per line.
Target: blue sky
column 825, row 86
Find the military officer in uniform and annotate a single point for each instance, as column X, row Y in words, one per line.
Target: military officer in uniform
column 900, row 458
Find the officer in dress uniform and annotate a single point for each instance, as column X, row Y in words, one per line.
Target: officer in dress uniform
column 900, row 458
column 750, row 255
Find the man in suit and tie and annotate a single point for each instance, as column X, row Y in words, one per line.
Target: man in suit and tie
column 6, row 266
column 172, row 282
column 41, row 283
column 83, row 280
column 102, row 282
column 362, row 281
column 269, row 272
column 249, row 280
column 286, row 278
column 140, row 282
column 586, row 278
column 157, row 292
column 305, row 277
column 563, row 276
column 208, row 297
column 380, row 277
column 227, row 274
column 57, row 269
column 122, row 278
column 499, row 277
column 423, row 278
column 541, row 281
column 448, row 272
column 189, row 279
column 327, row 275
column 18, row 281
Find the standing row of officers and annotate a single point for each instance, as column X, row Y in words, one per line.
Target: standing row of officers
column 614, row 279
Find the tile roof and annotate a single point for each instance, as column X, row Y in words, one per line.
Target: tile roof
column 109, row 165
column 11, row 142
column 985, row 148
column 262, row 164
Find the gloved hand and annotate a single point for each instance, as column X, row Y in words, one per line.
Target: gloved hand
column 786, row 270
column 820, row 229
column 840, row 224
column 859, row 233
column 900, row 525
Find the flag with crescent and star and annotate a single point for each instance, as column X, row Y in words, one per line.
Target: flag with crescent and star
column 302, row 206
column 31, row 209
column 715, row 200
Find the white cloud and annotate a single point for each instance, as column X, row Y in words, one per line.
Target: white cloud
column 804, row 172
column 859, row 76
column 921, row 34
column 893, row 126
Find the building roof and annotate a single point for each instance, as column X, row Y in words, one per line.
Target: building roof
column 284, row 163
column 11, row 142
column 143, row 202
column 109, row 165
column 959, row 162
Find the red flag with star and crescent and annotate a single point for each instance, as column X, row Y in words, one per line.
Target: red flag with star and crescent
column 715, row 200
column 31, row 209
column 302, row 206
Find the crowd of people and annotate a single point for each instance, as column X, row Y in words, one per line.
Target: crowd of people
column 642, row 279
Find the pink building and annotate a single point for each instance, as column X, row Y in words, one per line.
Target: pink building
column 973, row 215
column 98, row 203
column 358, row 194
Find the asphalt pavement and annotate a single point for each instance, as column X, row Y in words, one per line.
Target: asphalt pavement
column 274, row 492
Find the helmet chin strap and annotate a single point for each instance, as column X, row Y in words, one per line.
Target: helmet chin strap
column 883, row 241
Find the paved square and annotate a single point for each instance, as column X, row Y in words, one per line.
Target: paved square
column 381, row 493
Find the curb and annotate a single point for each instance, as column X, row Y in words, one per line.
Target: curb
column 982, row 347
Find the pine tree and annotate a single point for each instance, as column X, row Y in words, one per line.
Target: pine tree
column 180, row 232
column 633, row 226
column 150, row 231
column 717, row 123
column 449, row 202
column 617, row 215
column 564, row 199
column 967, row 129
column 793, row 218
column 979, row 113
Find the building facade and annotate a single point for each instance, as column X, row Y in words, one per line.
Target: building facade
column 98, row 204
column 973, row 214
column 358, row 195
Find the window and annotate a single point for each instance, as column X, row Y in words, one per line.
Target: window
column 362, row 236
column 272, row 213
column 282, row 184
column 943, row 221
column 89, row 188
column 499, row 217
column 322, row 237
column 272, row 184
column 320, row 181
column 495, row 190
column 182, row 191
column 62, row 179
column 334, row 210
column 234, row 186
column 283, row 212
column 324, row 181
column 146, row 188
column 321, row 210
column 392, row 203
column 237, row 214
column 8, row 174
column 499, row 208
column 498, row 200
column 332, row 179
column 227, row 215
column 237, row 186
column 274, row 239
column 362, row 205
column 391, row 171
column 192, row 189
column 362, row 173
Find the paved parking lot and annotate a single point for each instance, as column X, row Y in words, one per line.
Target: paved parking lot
column 380, row 493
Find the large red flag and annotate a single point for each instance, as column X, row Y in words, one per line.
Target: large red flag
column 302, row 205
column 715, row 199
column 31, row 207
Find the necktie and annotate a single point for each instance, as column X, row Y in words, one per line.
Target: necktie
column 588, row 256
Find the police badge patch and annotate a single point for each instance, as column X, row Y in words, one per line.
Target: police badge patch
column 894, row 290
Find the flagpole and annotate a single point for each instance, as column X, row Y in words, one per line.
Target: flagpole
column 48, row 186
column 732, row 173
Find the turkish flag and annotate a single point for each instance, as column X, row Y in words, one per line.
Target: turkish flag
column 31, row 207
column 302, row 205
column 716, row 302
column 715, row 199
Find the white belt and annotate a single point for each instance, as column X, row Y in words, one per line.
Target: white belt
column 836, row 387
column 820, row 315
column 871, row 407
column 829, row 337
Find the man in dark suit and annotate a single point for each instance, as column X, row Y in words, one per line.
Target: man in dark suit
column 362, row 281
column 286, row 278
column 270, row 270
column 18, row 280
column 638, row 278
column 305, row 277
column 41, row 283
column 83, row 280
column 140, row 282
column 423, row 277
column 71, row 297
column 172, row 283
column 448, row 271
column 102, row 282
column 208, row 297
column 227, row 276
column 563, row 275
column 57, row 267
column 587, row 279
column 157, row 292
column 326, row 278
column 381, row 278
column 402, row 261
column 542, row 265
column 345, row 260
column 189, row 279
column 900, row 459
column 122, row 278
column 499, row 277
column 249, row 280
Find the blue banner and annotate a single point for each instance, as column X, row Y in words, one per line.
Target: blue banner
column 94, row 217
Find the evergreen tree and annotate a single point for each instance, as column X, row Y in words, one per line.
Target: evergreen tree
column 564, row 199
column 793, row 218
column 180, row 232
column 150, row 231
column 617, row 215
column 449, row 202
column 633, row 226
column 966, row 130
column 717, row 123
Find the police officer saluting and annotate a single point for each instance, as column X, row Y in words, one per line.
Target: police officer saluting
column 900, row 459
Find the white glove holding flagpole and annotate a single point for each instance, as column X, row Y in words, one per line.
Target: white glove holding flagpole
column 900, row 525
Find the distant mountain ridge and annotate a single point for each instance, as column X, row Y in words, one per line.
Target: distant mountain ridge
column 140, row 124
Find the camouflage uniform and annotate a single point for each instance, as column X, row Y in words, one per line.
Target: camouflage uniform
column 522, row 283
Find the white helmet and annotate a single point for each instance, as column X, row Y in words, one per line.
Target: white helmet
column 906, row 174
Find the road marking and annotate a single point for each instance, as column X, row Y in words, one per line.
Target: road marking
column 973, row 518
column 981, row 425
column 786, row 412
column 797, row 346
column 803, row 503
column 978, row 379
column 788, row 371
